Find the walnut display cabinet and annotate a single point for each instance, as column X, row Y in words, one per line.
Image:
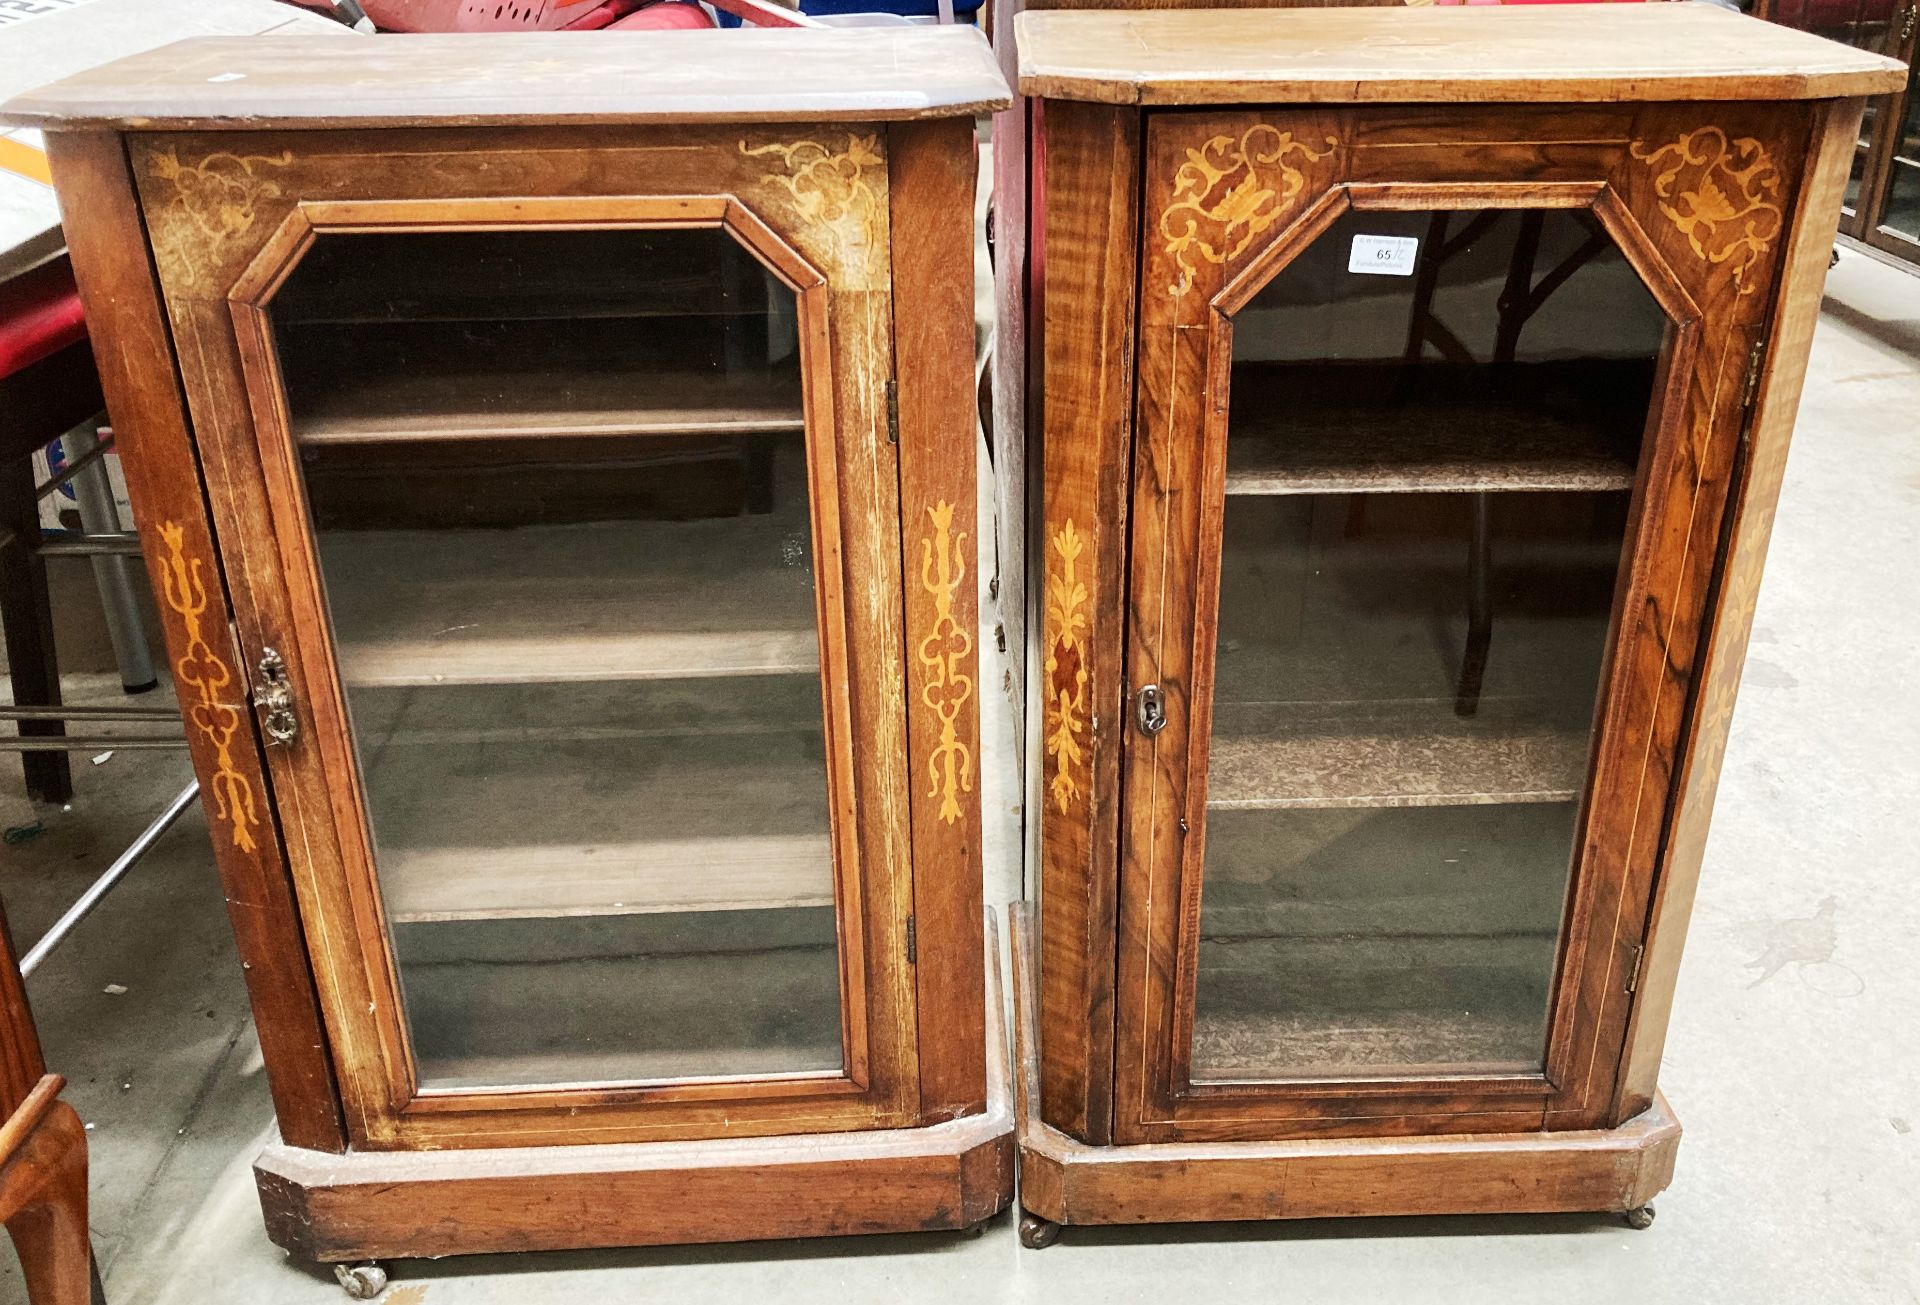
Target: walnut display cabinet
column 1416, row 386
column 555, row 457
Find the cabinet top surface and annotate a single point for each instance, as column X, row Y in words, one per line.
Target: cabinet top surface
column 530, row 78
column 1464, row 54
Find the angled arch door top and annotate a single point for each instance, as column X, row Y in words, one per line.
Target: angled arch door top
column 1410, row 434
column 572, row 545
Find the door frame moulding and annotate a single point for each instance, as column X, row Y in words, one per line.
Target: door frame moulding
column 847, row 1098
column 1500, row 1102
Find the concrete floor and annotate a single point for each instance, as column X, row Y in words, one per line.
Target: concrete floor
column 1792, row 1062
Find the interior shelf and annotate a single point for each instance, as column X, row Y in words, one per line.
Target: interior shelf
column 399, row 400
column 1410, row 1043
column 552, row 828
column 481, row 276
column 1272, row 756
column 633, row 999
column 1357, row 434
column 596, row 601
column 693, row 294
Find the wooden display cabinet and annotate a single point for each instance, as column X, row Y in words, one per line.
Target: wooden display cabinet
column 555, row 457
column 1416, row 386
column 1881, row 213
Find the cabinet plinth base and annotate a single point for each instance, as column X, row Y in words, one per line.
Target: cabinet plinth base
column 381, row 1205
column 1066, row 1181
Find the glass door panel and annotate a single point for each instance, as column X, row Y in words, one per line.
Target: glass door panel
column 1427, row 485
column 559, row 484
column 1900, row 215
column 1884, row 27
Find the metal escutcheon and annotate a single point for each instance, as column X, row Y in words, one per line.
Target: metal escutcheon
column 1150, row 709
column 275, row 697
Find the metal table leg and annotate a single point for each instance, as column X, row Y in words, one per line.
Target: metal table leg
column 93, row 491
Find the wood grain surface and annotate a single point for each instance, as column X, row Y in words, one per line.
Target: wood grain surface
column 811, row 199
column 530, row 78
column 134, row 351
column 375, row 1205
column 1066, row 1181
column 1451, row 55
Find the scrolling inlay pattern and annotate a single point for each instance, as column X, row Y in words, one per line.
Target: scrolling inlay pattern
column 1066, row 664
column 1722, row 194
column 944, row 652
column 201, row 671
column 1228, row 192
column 220, row 195
column 828, row 187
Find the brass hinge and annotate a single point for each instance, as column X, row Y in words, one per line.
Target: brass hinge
column 913, row 948
column 1906, row 27
column 1633, row 975
column 893, row 412
column 1755, row 362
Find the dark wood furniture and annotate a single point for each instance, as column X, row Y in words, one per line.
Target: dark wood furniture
column 1881, row 213
column 43, row 1157
column 47, row 387
column 1014, row 405
column 1416, row 387
column 556, row 458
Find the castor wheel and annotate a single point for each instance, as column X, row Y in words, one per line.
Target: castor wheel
column 1641, row 1216
column 973, row 1230
column 363, row 1281
column 1036, row 1234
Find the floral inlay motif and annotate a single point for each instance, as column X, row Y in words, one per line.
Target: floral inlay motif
column 1066, row 668
column 944, row 654
column 1722, row 194
column 221, row 193
column 828, row 186
column 201, row 679
column 1228, row 192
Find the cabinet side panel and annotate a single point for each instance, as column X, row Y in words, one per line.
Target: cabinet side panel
column 1823, row 181
column 1088, row 232
column 133, row 352
column 930, row 187
column 1008, row 379
column 1727, row 263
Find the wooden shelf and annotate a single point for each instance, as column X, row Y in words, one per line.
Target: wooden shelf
column 642, row 998
column 527, row 275
column 1413, row 1043
column 598, row 601
column 379, row 404
column 559, row 880
column 1272, row 756
column 1366, row 1002
column 1292, row 434
column 552, row 828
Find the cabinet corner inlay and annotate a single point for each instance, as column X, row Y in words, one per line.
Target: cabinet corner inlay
column 222, row 192
column 1234, row 188
column 1066, row 663
column 828, row 186
column 200, row 669
column 943, row 653
column 1722, row 194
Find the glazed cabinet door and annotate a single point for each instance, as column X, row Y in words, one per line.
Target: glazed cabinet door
column 1883, row 188
column 1437, row 419
column 562, row 521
